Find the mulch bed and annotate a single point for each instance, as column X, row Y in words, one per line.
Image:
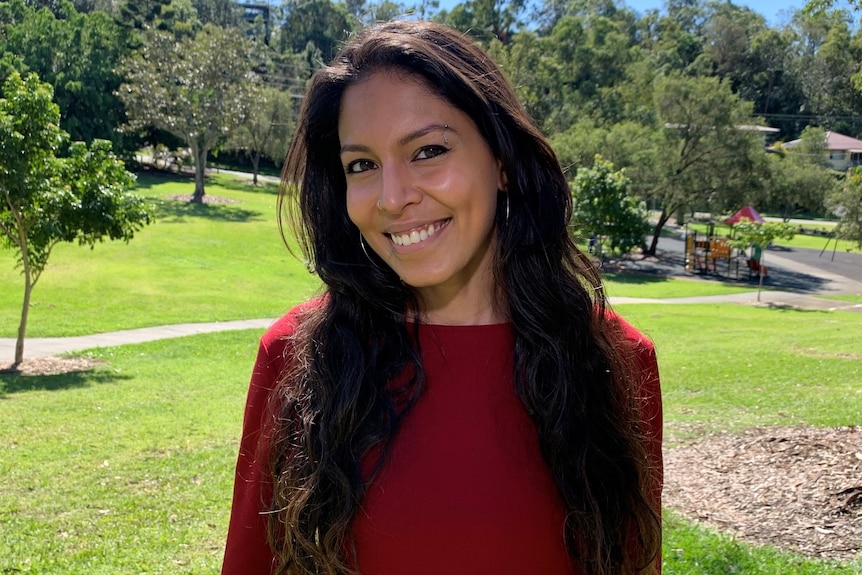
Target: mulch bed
column 798, row 489
column 50, row 365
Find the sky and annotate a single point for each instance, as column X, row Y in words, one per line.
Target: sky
column 776, row 12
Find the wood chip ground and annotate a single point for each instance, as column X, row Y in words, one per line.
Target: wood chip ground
column 797, row 489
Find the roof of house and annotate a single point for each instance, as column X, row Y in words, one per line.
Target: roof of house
column 835, row 141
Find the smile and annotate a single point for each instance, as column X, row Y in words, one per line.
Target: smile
column 417, row 235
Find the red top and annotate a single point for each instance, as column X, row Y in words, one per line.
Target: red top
column 464, row 488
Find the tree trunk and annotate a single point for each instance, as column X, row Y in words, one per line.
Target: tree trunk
column 255, row 162
column 25, row 307
column 662, row 220
column 200, row 154
column 762, row 273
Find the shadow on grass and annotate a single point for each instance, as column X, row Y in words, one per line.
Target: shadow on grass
column 148, row 178
column 635, row 278
column 179, row 211
column 243, row 183
column 17, row 383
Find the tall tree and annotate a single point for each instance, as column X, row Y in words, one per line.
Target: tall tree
column 77, row 54
column 705, row 155
column 604, row 211
column 47, row 199
column 314, row 25
column 846, row 203
column 267, row 129
column 197, row 89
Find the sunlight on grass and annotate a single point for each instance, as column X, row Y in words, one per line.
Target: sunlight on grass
column 214, row 262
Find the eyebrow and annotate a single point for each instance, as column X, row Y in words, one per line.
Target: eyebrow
column 414, row 135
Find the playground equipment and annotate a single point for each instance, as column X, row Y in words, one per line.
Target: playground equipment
column 707, row 253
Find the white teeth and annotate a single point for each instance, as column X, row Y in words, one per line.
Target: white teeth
column 415, row 236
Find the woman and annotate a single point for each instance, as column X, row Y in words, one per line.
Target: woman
column 459, row 400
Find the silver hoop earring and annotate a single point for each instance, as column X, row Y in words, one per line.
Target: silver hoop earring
column 507, row 208
column 364, row 249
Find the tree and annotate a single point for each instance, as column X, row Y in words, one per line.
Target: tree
column 846, row 203
column 77, row 54
column 267, row 129
column 747, row 233
column 197, row 89
column 604, row 210
column 47, row 199
column 704, row 156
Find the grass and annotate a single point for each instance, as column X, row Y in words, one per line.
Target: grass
column 128, row 468
column 730, row 366
column 210, row 262
column 655, row 287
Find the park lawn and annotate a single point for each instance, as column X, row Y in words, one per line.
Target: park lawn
column 657, row 287
column 728, row 367
column 196, row 263
column 128, row 468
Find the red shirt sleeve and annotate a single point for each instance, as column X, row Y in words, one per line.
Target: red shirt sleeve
column 247, row 551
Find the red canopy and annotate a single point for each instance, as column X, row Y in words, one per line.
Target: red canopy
column 746, row 212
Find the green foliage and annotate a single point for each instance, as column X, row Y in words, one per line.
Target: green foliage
column 747, row 233
column 47, row 199
column 846, row 202
column 704, row 156
column 77, row 54
column 315, row 27
column 198, row 89
column 760, row 235
column 604, row 210
column 267, row 129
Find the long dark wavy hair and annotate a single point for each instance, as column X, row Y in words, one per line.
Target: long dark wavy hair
column 573, row 372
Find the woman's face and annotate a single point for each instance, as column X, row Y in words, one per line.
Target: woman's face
column 422, row 185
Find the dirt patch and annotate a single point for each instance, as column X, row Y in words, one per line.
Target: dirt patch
column 50, row 366
column 207, row 199
column 798, row 489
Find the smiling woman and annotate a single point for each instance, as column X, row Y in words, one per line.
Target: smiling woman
column 422, row 188
column 460, row 400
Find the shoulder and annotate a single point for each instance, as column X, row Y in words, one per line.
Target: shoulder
column 640, row 343
column 287, row 325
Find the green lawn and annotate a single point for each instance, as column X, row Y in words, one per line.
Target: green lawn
column 128, row 468
column 211, row 262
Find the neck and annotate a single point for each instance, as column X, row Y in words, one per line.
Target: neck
column 473, row 305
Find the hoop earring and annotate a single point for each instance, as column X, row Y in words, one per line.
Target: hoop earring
column 364, row 249
column 507, row 208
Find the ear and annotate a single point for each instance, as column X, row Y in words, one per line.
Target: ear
column 502, row 179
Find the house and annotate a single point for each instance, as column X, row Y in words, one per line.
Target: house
column 844, row 152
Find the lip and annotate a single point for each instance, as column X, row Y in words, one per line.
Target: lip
column 411, row 234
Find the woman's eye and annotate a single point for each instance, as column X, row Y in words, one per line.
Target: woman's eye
column 429, row 152
column 359, row 166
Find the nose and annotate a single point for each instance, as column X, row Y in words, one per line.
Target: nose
column 398, row 189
